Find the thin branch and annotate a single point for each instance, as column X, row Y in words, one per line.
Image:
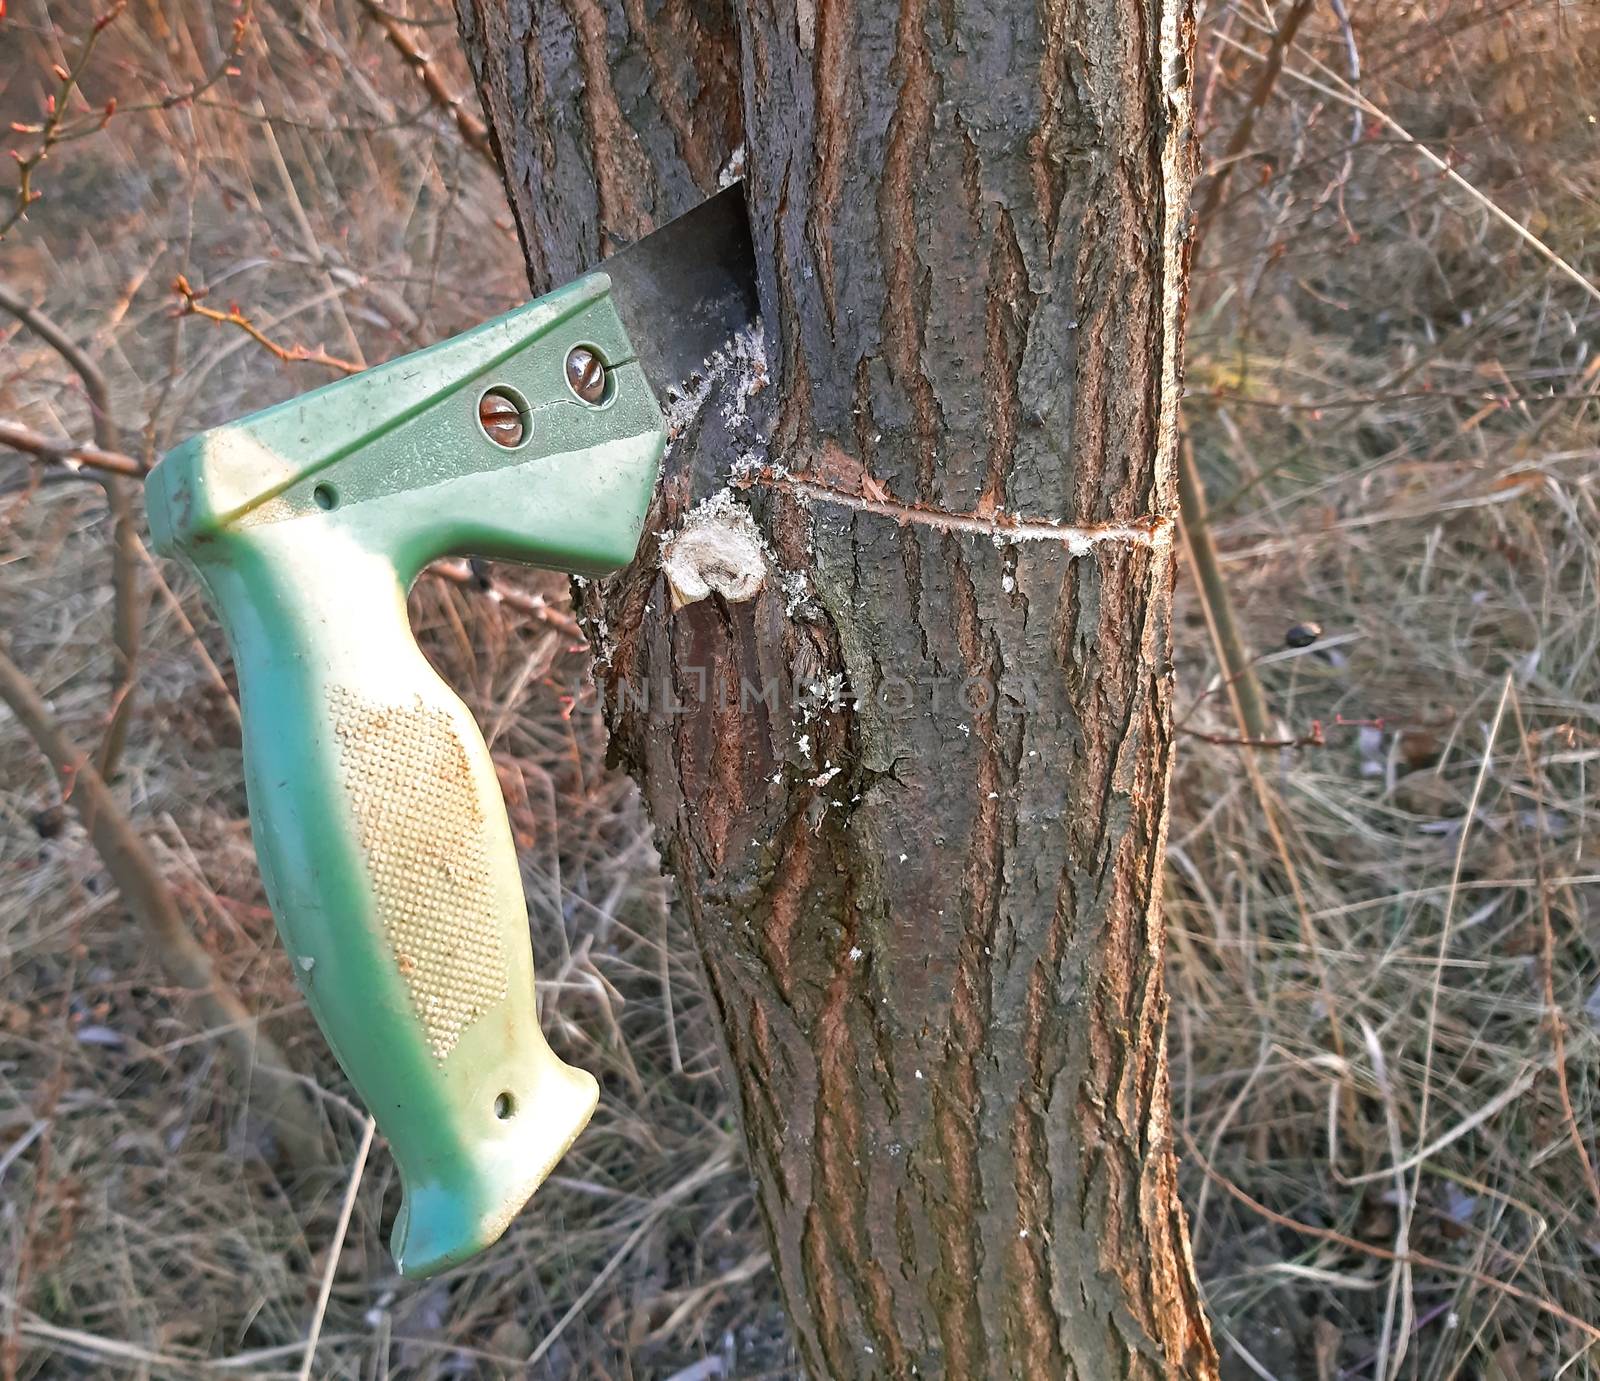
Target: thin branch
column 23, row 438
column 1244, row 687
column 1409, row 1258
column 239, row 31
column 1483, row 398
column 1348, row 95
column 1547, row 959
column 126, row 616
column 290, row 354
column 1223, row 168
column 150, row 901
column 56, row 129
column 1447, row 923
column 219, row 684
column 53, row 129
column 1312, row 738
column 58, row 339
column 1250, row 714
column 472, row 129
column 1238, row 667
column 535, row 606
column 43, row 1167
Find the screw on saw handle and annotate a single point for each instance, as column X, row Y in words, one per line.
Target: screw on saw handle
column 375, row 809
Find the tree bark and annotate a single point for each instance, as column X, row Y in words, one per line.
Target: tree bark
column 926, row 894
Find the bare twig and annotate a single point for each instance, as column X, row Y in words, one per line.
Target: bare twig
column 1250, row 713
column 1238, row 668
column 536, row 606
column 1409, row 1258
column 716, row 1165
column 1271, row 66
column 290, row 354
column 1547, row 961
column 1343, row 91
column 1447, row 926
column 219, row 684
column 1314, row 737
column 126, row 614
column 228, row 66
column 53, row 128
column 472, row 129
column 43, row 1166
column 56, row 129
column 150, row 901
column 20, row 437
column 1503, row 400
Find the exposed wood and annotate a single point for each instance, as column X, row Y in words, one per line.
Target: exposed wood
column 908, row 761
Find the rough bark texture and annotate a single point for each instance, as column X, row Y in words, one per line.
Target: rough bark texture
column 927, row 903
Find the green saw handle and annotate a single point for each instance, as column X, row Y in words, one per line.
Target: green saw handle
column 375, row 809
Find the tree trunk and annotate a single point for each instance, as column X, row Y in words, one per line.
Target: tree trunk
column 906, row 739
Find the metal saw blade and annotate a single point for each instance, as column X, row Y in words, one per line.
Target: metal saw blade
column 685, row 291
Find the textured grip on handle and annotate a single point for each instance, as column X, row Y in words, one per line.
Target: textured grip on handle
column 421, row 830
column 392, row 873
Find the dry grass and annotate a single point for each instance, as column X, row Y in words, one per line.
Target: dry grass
column 1373, row 359
column 1428, row 502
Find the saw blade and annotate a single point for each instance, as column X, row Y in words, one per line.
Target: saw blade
column 685, row 291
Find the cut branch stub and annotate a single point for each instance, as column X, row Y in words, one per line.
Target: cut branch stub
column 718, row 549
